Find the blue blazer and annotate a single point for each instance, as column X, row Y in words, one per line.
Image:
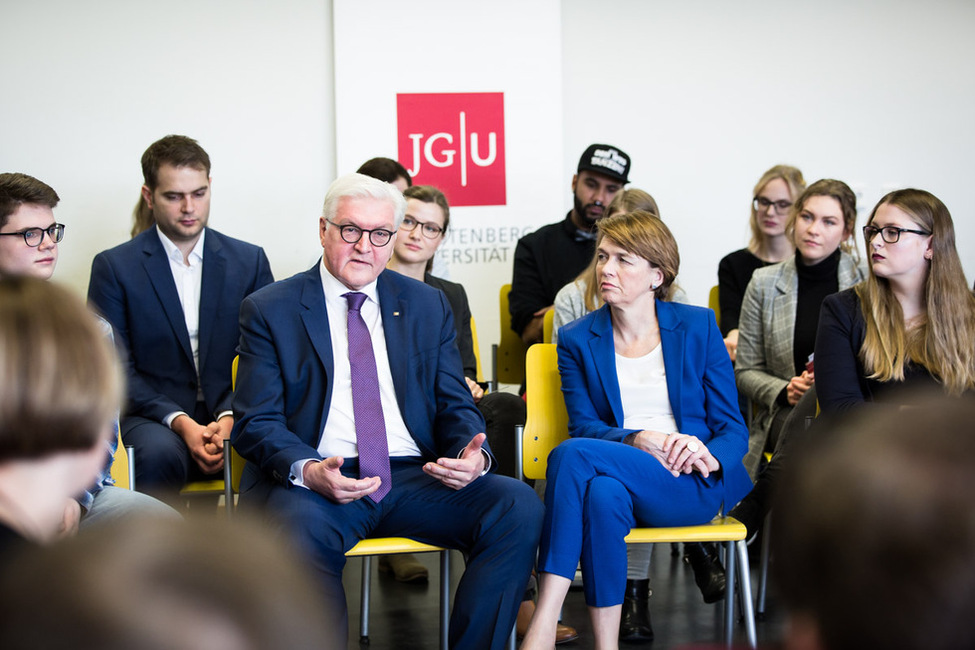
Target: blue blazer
column 132, row 287
column 284, row 384
column 700, row 383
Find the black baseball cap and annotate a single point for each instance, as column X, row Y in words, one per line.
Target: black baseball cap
column 606, row 160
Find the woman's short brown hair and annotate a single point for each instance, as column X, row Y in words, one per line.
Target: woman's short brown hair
column 646, row 236
column 60, row 381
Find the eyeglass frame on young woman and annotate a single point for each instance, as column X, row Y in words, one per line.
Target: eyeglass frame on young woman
column 55, row 231
column 423, row 227
column 760, row 203
column 869, row 232
column 343, row 227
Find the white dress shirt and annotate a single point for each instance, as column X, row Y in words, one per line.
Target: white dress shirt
column 188, row 279
column 338, row 437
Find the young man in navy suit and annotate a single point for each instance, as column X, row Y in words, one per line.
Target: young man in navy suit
column 173, row 295
column 331, row 469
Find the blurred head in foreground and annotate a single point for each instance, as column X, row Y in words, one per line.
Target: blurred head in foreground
column 60, row 388
column 875, row 531
column 156, row 584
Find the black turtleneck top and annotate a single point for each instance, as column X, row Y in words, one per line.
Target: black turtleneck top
column 815, row 283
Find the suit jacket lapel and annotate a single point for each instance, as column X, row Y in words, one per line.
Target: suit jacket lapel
column 395, row 317
column 672, row 335
column 316, row 319
column 214, row 272
column 156, row 265
column 603, row 352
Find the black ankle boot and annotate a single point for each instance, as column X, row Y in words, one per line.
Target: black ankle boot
column 635, row 621
column 708, row 572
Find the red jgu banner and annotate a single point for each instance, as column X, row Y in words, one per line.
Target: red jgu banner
column 454, row 141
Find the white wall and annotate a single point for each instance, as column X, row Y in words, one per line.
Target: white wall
column 704, row 95
column 707, row 95
column 87, row 86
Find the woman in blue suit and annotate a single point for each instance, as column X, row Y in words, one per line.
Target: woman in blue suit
column 657, row 437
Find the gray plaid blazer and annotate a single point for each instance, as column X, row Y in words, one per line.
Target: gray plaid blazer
column 766, row 328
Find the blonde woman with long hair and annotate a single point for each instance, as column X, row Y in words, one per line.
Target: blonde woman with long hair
column 772, row 198
column 905, row 332
column 911, row 324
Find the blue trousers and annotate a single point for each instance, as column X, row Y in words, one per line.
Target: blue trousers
column 597, row 491
column 496, row 521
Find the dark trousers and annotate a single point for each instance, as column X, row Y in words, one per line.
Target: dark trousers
column 502, row 411
column 496, row 521
column 162, row 460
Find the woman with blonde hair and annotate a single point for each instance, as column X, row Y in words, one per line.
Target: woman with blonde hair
column 911, row 323
column 774, row 194
column 905, row 333
column 60, row 389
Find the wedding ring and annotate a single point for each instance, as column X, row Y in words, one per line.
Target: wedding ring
column 693, row 447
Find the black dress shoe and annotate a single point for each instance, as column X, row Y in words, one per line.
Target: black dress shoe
column 635, row 621
column 708, row 572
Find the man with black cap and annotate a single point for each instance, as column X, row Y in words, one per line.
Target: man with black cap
column 552, row 256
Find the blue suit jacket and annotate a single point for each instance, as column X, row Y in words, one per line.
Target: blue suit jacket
column 132, row 286
column 284, row 384
column 700, row 383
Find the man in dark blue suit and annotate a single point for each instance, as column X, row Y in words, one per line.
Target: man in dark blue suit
column 300, row 422
column 172, row 295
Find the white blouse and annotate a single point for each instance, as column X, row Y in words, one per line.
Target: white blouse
column 644, row 394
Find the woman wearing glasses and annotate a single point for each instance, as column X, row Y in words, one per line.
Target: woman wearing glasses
column 911, row 324
column 417, row 242
column 907, row 331
column 780, row 310
column 773, row 196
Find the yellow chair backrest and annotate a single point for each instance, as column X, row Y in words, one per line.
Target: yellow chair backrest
column 548, row 423
column 120, row 463
column 511, row 349
column 548, row 324
column 477, row 351
column 715, row 304
column 237, row 461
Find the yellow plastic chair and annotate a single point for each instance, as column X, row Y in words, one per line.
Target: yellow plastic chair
column 365, row 548
column 477, row 351
column 123, row 469
column 508, row 356
column 214, row 487
column 715, row 304
column 548, row 425
column 548, row 325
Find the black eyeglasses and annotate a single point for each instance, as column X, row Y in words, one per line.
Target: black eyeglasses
column 429, row 229
column 34, row 236
column 891, row 234
column 378, row 237
column 761, row 203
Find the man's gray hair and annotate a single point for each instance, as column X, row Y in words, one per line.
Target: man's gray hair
column 360, row 186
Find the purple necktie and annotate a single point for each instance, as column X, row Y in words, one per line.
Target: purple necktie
column 367, row 407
